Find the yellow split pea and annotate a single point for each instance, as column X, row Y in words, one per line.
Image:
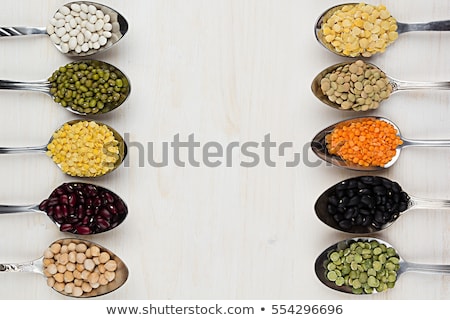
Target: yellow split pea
column 360, row 29
column 84, row 149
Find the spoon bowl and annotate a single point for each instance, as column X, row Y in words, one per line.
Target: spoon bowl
column 118, row 22
column 45, row 86
column 401, row 28
column 122, row 147
column 78, row 208
column 397, row 85
column 319, row 145
column 320, row 265
column 343, row 206
column 37, row 266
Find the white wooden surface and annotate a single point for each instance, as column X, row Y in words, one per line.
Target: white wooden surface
column 224, row 70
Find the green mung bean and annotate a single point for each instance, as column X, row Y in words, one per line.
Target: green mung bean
column 364, row 266
column 89, row 86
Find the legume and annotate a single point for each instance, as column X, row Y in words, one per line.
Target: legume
column 366, row 201
column 365, row 142
column 358, row 86
column 71, row 277
column 360, row 29
column 364, row 266
column 89, row 86
column 84, row 149
column 82, row 208
column 80, row 28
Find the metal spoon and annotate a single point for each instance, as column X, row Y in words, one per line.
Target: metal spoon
column 397, row 85
column 37, row 266
column 319, row 146
column 123, row 150
column 323, row 213
column 119, row 23
column 320, row 266
column 443, row 25
column 44, row 86
column 78, row 208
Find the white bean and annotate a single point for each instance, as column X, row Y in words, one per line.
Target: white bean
column 68, row 18
column 107, row 26
column 99, row 25
column 93, row 19
column 64, row 47
column 74, row 32
column 90, row 27
column 60, row 23
column 53, row 21
column 73, row 23
column 84, row 8
column 107, row 34
column 92, row 9
column 102, row 40
column 99, row 14
column 94, row 37
column 107, row 18
column 87, row 35
column 83, row 15
column 60, row 31
column 73, row 43
column 55, row 38
column 78, row 49
column 80, row 38
column 75, row 7
column 75, row 13
column 96, row 45
column 59, row 15
column 64, row 10
column 67, row 27
column 65, row 38
column 50, row 29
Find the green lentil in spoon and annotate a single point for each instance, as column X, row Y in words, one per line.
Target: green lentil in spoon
column 88, row 86
column 364, row 266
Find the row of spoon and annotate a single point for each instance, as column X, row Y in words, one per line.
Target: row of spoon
column 37, row 266
column 318, row 145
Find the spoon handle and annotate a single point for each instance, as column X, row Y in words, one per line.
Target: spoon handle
column 35, row 266
column 425, row 143
column 21, row 31
column 41, row 86
column 430, row 203
column 398, row 85
column 443, row 25
column 11, row 150
column 426, row 268
column 4, row 208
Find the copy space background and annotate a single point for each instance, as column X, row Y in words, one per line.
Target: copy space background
column 225, row 71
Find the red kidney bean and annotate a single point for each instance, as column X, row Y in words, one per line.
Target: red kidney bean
column 83, row 208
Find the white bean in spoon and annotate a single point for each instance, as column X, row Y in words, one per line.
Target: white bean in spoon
column 38, row 266
column 117, row 27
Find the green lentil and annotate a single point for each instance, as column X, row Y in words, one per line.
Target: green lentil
column 359, row 86
column 89, row 86
column 365, row 267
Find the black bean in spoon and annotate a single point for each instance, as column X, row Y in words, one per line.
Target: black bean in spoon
column 367, row 204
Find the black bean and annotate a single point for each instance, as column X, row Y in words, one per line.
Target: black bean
column 354, row 201
column 333, row 200
column 379, row 190
column 345, row 224
column 367, row 180
column 368, row 201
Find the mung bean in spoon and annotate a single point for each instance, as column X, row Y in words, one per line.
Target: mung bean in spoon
column 58, row 264
column 83, row 87
column 368, row 204
column 361, row 86
column 359, row 29
column 366, row 266
column 81, row 148
column 78, row 29
column 78, row 208
column 365, row 143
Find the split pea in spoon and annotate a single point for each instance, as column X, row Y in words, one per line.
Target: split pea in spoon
column 377, row 150
column 81, row 148
column 83, row 87
column 361, row 86
column 78, row 29
column 104, row 271
column 366, row 266
column 359, row 29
